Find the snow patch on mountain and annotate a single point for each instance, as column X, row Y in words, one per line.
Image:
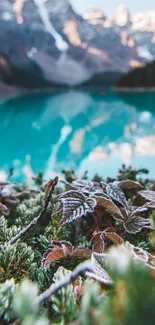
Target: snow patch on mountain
column 59, row 42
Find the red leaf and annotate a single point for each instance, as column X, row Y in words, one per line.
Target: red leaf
column 53, row 254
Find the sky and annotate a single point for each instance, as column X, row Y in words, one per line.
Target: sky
column 109, row 6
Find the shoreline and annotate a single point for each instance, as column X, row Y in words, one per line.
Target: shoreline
column 8, row 92
column 133, row 90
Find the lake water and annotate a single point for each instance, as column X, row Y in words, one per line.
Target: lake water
column 80, row 130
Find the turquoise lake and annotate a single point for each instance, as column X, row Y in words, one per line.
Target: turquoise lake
column 75, row 129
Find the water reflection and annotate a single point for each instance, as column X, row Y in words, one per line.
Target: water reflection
column 81, row 130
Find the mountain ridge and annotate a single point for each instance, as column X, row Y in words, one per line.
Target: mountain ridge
column 48, row 43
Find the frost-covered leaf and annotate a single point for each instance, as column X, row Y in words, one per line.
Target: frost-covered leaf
column 60, row 274
column 147, row 207
column 111, row 207
column 82, row 253
column 152, row 187
column 148, row 195
column 52, row 255
column 5, row 183
column 115, row 238
column 136, row 223
column 65, row 253
column 66, row 246
column 75, row 205
column 99, row 272
column 151, row 260
column 86, row 187
column 4, row 210
column 80, row 183
column 103, row 185
column 78, row 288
column 97, row 242
column 129, row 184
column 75, row 287
column 115, row 192
column 68, row 194
column 138, row 253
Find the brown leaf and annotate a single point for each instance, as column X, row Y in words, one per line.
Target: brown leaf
column 65, row 245
column 137, row 253
column 110, row 206
column 152, row 187
column 52, row 255
column 136, row 223
column 4, row 210
column 82, row 253
column 147, row 207
column 3, row 184
column 97, row 242
column 115, row 238
column 129, row 184
column 99, row 272
column 64, row 253
column 151, row 260
column 11, row 200
column 138, row 200
column 148, row 195
column 78, row 288
column 22, row 194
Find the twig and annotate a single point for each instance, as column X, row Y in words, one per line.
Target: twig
column 37, row 219
column 85, row 266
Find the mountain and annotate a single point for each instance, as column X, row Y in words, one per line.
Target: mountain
column 135, row 30
column 45, row 43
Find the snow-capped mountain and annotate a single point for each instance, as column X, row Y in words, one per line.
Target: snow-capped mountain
column 136, row 30
column 122, row 17
column 45, row 42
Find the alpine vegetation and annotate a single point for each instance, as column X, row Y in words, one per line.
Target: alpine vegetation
column 76, row 251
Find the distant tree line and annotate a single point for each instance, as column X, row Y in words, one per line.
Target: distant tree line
column 139, row 77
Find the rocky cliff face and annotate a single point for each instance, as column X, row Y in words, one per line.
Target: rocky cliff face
column 44, row 42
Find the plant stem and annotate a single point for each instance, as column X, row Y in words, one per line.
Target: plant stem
column 37, row 219
column 85, row 266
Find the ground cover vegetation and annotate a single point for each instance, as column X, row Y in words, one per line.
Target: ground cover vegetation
column 78, row 251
